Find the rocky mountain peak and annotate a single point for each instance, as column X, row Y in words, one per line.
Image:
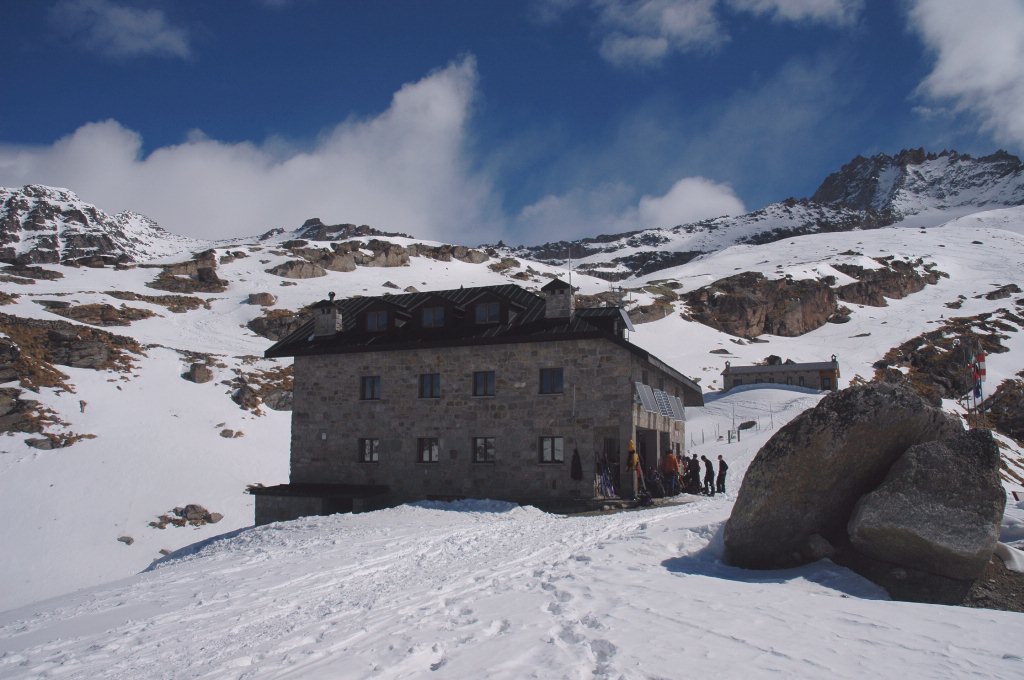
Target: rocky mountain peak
column 914, row 180
column 42, row 224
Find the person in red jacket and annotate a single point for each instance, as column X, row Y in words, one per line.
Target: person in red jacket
column 670, row 470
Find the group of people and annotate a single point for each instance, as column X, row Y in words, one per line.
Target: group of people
column 685, row 475
column 679, row 474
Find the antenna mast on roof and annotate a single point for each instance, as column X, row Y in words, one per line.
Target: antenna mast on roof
column 569, row 253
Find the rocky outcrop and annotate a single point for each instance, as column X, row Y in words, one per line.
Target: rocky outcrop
column 277, row 323
column 315, row 230
column 173, row 303
column 658, row 309
column 42, row 343
column 446, row 253
column 1005, row 409
column 808, row 478
column 204, row 281
column 34, row 273
column 279, row 400
column 262, row 299
column 192, row 514
column 936, row 363
column 9, row 354
column 749, row 304
column 246, row 397
column 297, row 269
column 97, row 314
column 1002, row 292
column 17, row 414
column 937, row 512
column 198, row 373
column 895, row 279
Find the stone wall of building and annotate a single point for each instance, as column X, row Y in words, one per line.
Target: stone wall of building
column 595, row 409
column 815, row 379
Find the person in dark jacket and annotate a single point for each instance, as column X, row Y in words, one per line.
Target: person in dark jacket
column 694, row 476
column 709, row 476
column 722, row 469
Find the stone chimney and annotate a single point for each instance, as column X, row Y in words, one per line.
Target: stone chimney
column 327, row 317
column 559, row 300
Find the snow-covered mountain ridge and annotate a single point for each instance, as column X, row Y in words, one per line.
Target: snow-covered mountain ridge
column 913, row 187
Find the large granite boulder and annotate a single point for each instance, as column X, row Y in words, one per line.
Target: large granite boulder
column 805, row 482
column 938, row 510
column 298, row 269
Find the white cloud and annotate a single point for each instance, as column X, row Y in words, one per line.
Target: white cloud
column 405, row 170
column 641, row 32
column 838, row 12
column 612, row 208
column 646, row 32
column 689, row 200
column 979, row 59
column 116, row 30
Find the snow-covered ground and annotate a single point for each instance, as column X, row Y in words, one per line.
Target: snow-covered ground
column 473, row 590
column 481, row 589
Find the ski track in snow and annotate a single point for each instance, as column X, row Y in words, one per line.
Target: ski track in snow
column 424, row 591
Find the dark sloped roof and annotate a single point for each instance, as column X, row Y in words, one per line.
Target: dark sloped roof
column 783, row 368
column 528, row 324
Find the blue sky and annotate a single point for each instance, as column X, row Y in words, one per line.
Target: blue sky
column 477, row 121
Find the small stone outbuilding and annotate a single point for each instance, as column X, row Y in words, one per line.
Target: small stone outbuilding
column 821, row 375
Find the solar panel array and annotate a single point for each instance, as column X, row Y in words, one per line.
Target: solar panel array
column 657, row 401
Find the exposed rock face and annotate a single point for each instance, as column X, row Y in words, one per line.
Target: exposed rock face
column 199, row 373
column 807, row 479
column 246, row 397
column 9, row 354
column 35, row 273
column 40, row 224
column 315, row 230
column 896, row 279
column 749, row 304
column 937, row 360
column 277, row 323
column 1002, row 292
column 97, row 314
column 279, row 400
column 1006, row 409
column 659, row 309
column 205, row 282
column 938, row 510
column 262, row 299
column 174, row 303
column 16, row 414
column 298, row 269
column 446, row 253
column 192, row 514
column 41, row 343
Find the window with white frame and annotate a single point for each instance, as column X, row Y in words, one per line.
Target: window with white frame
column 552, row 450
column 428, row 450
